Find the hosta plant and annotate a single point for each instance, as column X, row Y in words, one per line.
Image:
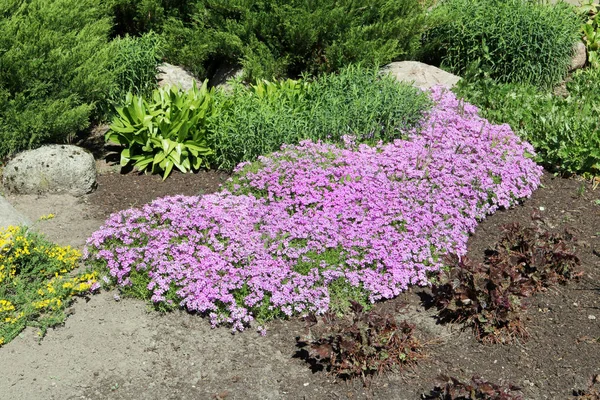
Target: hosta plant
column 165, row 132
column 361, row 346
column 450, row 388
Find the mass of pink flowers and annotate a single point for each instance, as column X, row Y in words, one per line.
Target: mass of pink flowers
column 379, row 217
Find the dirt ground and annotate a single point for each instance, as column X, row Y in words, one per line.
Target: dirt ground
column 109, row 349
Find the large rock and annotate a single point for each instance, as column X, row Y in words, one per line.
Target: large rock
column 51, row 169
column 10, row 216
column 421, row 75
column 173, row 75
column 579, row 56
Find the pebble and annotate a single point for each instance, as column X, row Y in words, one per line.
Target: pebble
column 591, row 317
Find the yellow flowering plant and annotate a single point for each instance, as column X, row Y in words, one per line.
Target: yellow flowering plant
column 37, row 282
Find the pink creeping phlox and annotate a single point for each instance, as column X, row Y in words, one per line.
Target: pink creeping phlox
column 386, row 212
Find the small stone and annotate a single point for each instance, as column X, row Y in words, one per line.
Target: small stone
column 542, row 208
column 306, row 384
column 591, row 317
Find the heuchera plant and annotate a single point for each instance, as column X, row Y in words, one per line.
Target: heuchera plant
column 311, row 226
column 489, row 296
column 367, row 344
column 450, row 388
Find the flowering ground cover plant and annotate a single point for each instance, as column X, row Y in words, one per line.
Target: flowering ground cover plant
column 35, row 285
column 315, row 226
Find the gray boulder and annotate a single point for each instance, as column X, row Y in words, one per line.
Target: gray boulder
column 10, row 216
column 579, row 56
column 173, row 75
column 51, row 169
column 421, row 75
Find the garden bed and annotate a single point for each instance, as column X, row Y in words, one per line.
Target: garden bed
column 116, row 350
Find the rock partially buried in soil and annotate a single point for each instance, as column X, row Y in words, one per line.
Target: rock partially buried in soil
column 10, row 216
column 51, row 169
column 579, row 56
column 421, row 75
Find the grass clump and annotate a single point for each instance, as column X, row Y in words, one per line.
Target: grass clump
column 35, row 285
column 59, row 71
column 512, row 40
column 356, row 102
column 565, row 131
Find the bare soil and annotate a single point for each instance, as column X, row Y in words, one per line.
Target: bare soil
column 109, row 349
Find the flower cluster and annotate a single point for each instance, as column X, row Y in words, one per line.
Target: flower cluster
column 34, row 281
column 297, row 222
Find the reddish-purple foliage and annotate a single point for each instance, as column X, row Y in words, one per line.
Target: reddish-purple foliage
column 361, row 345
column 379, row 217
column 489, row 296
column 450, row 388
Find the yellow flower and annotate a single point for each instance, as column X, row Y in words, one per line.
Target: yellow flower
column 6, row 305
column 46, row 217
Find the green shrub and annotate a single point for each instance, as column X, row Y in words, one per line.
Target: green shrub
column 356, row 102
column 165, row 132
column 51, row 75
column 564, row 131
column 136, row 17
column 59, row 71
column 513, row 40
column 274, row 39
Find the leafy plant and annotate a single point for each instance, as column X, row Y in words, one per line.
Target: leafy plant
column 511, row 40
column 564, row 131
column 361, row 345
column 169, row 131
column 590, row 30
column 357, row 101
column 450, row 388
column 35, row 285
column 489, row 296
column 543, row 257
column 485, row 297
